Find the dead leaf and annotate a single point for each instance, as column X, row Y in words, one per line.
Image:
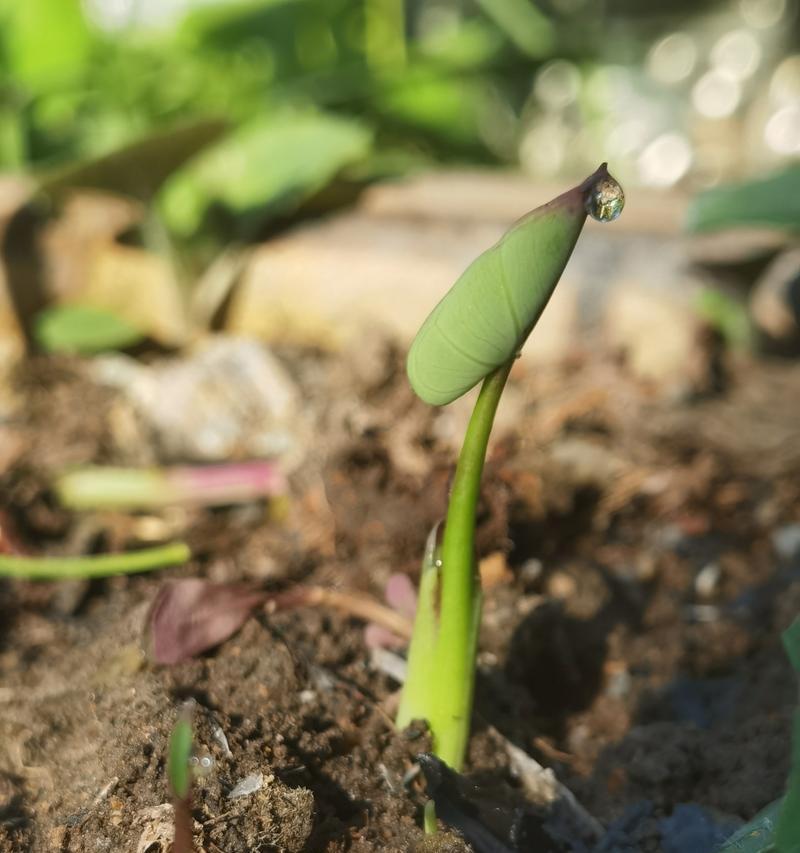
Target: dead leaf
column 141, row 167
column 192, row 615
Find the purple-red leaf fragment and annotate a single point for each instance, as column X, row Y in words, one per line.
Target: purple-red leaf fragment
column 402, row 598
column 192, row 615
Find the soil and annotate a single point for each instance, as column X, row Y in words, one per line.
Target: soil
column 630, row 640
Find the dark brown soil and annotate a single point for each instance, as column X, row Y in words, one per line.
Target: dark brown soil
column 633, row 643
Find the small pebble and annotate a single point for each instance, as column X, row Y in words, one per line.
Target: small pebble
column 619, row 684
column 221, row 739
column 668, row 538
column 707, row 581
column 561, row 586
column 249, row 785
column 494, row 571
column 322, row 679
column 531, row 570
column 702, row 613
column 786, row 541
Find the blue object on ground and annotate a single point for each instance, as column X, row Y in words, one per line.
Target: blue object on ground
column 692, row 829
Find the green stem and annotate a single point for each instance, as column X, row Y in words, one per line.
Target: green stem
column 460, row 599
column 429, row 818
column 99, row 566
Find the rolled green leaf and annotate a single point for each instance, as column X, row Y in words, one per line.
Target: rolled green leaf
column 485, row 318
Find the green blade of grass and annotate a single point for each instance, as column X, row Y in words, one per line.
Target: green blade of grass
column 94, row 566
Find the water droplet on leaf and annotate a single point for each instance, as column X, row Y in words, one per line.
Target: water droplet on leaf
column 605, row 200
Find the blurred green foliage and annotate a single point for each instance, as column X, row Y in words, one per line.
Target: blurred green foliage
column 84, row 330
column 240, row 174
column 727, row 315
column 769, row 202
column 311, row 91
column 79, row 102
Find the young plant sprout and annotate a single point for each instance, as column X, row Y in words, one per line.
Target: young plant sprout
column 96, row 487
column 179, row 774
column 474, row 334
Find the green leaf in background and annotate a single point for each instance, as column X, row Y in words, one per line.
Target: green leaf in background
column 12, row 143
column 286, row 37
column 83, row 329
column 180, row 751
column 523, row 24
column 44, row 41
column 227, row 25
column 472, row 45
column 447, row 108
column 771, row 202
column 139, row 169
column 727, row 315
column 274, row 162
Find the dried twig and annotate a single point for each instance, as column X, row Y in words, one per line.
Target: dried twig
column 351, row 603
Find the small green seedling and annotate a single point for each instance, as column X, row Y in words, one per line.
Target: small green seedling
column 104, row 487
column 474, row 334
column 429, row 818
column 776, row 828
column 179, row 775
